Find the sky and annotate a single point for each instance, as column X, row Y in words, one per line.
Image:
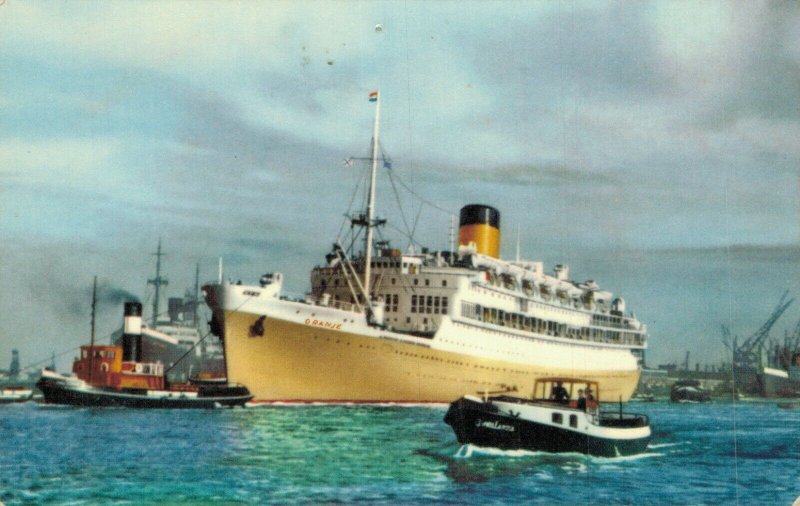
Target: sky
column 652, row 146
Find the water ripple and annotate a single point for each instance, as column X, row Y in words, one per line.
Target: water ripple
column 377, row 454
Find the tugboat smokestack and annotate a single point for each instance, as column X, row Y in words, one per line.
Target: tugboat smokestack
column 480, row 224
column 132, row 333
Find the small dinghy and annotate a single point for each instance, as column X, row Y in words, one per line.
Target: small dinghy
column 562, row 416
column 688, row 391
column 14, row 394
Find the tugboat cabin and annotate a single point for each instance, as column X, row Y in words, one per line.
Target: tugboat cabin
column 103, row 366
column 572, row 392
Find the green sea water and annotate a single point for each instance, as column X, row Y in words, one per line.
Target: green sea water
column 719, row 453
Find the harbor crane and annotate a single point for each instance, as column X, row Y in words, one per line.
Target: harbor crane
column 748, row 354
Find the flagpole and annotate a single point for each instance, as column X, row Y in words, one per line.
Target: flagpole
column 371, row 202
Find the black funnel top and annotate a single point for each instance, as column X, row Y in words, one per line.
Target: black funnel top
column 133, row 309
column 479, row 214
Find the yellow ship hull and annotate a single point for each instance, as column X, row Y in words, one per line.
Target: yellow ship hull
column 293, row 362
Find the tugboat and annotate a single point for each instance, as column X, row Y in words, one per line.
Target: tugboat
column 13, row 394
column 557, row 418
column 116, row 376
column 688, row 391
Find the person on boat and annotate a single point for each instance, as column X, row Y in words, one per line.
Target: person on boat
column 581, row 401
column 560, row 393
column 591, row 403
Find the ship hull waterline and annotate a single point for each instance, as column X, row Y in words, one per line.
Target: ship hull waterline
column 292, row 362
column 57, row 393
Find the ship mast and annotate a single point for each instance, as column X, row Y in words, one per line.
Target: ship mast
column 371, row 201
column 196, row 298
column 158, row 281
column 91, row 343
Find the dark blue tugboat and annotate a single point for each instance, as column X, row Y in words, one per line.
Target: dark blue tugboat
column 116, row 376
column 558, row 418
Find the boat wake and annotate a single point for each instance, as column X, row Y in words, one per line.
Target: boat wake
column 665, row 445
column 625, row 458
column 49, row 406
column 469, row 451
column 268, row 404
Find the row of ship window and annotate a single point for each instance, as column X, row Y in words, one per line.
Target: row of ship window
column 423, row 304
column 608, row 321
column 531, row 324
column 429, row 304
column 415, row 282
column 98, row 354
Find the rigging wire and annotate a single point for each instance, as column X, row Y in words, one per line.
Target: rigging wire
column 106, row 337
column 191, row 349
column 400, row 206
column 347, row 217
column 395, row 180
column 420, row 198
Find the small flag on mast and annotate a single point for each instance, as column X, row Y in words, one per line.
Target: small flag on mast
column 373, row 97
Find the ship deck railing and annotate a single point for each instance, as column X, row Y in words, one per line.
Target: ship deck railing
column 602, row 313
column 602, row 418
column 334, row 304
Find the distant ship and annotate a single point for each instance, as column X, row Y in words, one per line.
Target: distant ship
column 14, row 394
column 688, row 390
column 783, row 379
column 431, row 326
column 763, row 366
column 175, row 339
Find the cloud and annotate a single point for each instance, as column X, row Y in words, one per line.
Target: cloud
column 748, row 252
column 169, row 38
column 35, row 160
column 774, row 136
column 734, row 60
column 524, row 175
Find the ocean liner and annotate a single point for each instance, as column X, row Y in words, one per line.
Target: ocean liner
column 384, row 325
